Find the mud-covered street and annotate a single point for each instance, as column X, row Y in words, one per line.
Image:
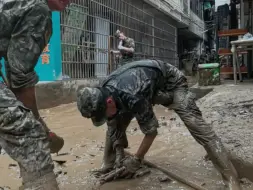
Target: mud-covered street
column 173, row 149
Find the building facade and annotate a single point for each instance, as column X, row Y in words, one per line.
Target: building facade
column 157, row 26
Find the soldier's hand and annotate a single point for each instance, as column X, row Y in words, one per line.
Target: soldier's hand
column 130, row 168
column 131, row 165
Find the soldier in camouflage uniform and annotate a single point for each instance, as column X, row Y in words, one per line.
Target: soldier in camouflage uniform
column 130, row 92
column 25, row 30
column 126, row 48
column 25, row 140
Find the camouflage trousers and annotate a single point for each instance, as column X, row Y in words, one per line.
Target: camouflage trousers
column 22, row 42
column 183, row 103
column 23, row 137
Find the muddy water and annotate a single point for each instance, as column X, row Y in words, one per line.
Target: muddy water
column 173, row 149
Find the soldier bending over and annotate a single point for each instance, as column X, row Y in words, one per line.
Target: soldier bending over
column 131, row 91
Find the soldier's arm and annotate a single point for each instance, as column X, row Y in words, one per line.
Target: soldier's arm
column 116, row 133
column 129, row 49
column 148, row 124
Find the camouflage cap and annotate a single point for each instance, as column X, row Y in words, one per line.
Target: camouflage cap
column 90, row 104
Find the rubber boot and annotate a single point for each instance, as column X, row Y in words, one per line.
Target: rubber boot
column 46, row 182
column 28, row 97
column 220, row 159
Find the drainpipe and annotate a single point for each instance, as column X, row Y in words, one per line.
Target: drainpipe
column 153, row 37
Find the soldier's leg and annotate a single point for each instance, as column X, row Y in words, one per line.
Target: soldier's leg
column 25, row 140
column 185, row 106
column 116, row 140
column 29, row 38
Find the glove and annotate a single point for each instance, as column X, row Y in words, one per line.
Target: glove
column 55, row 142
column 131, row 165
column 130, row 168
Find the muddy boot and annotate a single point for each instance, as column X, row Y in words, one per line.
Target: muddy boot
column 46, row 182
column 220, row 159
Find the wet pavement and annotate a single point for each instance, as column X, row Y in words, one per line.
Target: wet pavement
column 173, row 149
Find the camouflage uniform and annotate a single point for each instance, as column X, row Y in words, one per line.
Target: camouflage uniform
column 135, row 87
column 25, row 29
column 25, row 140
column 126, row 56
column 167, row 87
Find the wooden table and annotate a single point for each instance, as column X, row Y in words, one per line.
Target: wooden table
column 243, row 46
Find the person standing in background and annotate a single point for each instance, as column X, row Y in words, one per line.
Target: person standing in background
column 126, row 47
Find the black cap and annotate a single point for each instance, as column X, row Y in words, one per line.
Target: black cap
column 91, row 104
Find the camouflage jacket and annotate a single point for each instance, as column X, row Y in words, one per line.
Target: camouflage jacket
column 10, row 13
column 135, row 85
